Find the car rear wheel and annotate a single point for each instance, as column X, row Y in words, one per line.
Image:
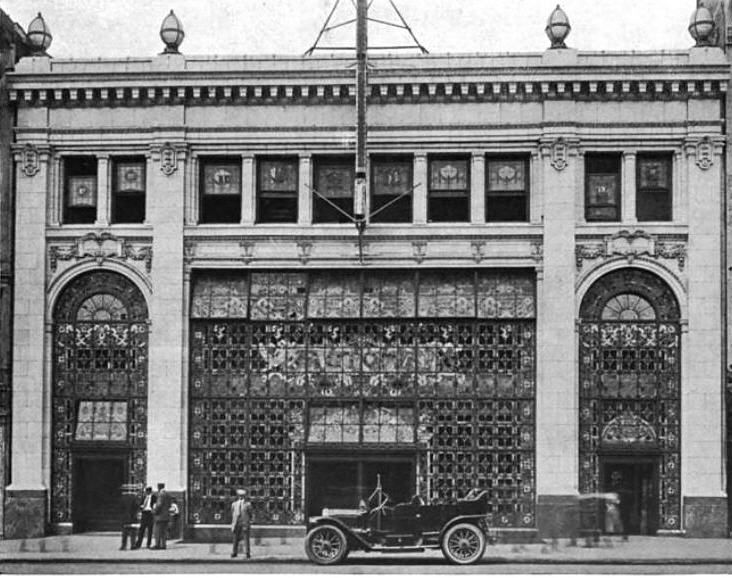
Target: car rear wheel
column 463, row 544
column 326, row 545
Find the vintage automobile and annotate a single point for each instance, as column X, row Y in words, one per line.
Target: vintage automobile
column 459, row 528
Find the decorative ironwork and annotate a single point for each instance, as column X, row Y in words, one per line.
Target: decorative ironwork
column 629, row 350
column 100, row 341
column 442, row 365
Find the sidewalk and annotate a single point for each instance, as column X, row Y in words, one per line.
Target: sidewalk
column 97, row 547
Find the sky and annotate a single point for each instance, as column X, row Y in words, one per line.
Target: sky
column 130, row 28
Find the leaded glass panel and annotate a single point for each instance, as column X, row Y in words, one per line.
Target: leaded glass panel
column 100, row 348
column 357, row 366
column 629, row 351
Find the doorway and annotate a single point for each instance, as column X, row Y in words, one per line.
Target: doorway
column 635, row 480
column 342, row 481
column 97, row 490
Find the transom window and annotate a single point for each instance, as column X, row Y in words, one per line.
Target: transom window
column 102, row 307
column 628, row 307
column 101, row 421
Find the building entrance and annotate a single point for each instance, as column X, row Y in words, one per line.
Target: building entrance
column 341, row 482
column 97, row 490
column 634, row 480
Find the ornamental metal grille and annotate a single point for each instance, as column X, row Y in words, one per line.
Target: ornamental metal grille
column 630, row 346
column 100, row 348
column 442, row 364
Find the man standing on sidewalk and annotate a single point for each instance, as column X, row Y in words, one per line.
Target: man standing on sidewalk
column 129, row 515
column 146, row 520
column 241, row 522
column 161, row 516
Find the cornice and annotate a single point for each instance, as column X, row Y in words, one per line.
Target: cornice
column 112, row 91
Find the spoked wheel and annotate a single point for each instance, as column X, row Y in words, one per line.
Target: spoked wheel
column 326, row 545
column 463, row 544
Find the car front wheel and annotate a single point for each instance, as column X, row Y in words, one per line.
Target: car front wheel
column 326, row 545
column 463, row 544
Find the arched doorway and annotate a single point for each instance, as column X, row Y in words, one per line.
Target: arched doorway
column 100, row 350
column 630, row 413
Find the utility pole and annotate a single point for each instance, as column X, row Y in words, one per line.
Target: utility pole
column 359, row 197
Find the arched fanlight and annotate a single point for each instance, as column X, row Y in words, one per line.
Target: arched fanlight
column 39, row 35
column 171, row 33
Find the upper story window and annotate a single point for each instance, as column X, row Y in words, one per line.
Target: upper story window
column 448, row 195
column 507, row 189
column 80, row 190
column 653, row 196
column 128, row 190
column 391, row 189
column 277, row 190
column 602, row 194
column 220, row 190
column 334, row 182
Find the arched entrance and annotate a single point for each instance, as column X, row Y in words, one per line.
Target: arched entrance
column 100, row 349
column 630, row 413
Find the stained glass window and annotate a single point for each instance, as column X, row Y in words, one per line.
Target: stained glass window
column 80, row 189
column 448, row 196
column 654, row 192
column 220, row 190
column 507, row 189
column 100, row 351
column 334, row 182
column 353, row 363
column 128, row 190
column 602, row 199
column 277, row 190
column 391, row 189
column 630, row 346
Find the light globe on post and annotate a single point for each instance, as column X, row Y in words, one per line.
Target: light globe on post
column 171, row 33
column 558, row 28
column 701, row 26
column 39, row 35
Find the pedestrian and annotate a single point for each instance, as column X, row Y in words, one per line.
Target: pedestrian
column 161, row 517
column 146, row 518
column 129, row 515
column 613, row 523
column 241, row 522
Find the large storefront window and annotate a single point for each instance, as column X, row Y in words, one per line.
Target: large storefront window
column 630, row 347
column 100, row 340
column 423, row 377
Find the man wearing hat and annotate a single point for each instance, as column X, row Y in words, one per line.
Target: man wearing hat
column 241, row 522
column 146, row 519
column 129, row 515
column 161, row 517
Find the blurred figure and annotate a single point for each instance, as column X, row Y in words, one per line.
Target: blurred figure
column 613, row 523
column 241, row 522
column 129, row 515
column 161, row 517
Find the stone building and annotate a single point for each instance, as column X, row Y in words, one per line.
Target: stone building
column 534, row 305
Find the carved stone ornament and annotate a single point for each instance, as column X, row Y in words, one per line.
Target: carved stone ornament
column 247, row 251
column 559, row 154
column 304, row 249
column 30, row 160
column 100, row 246
column 419, row 250
column 477, row 248
column 537, row 251
column 705, row 154
column 168, row 160
column 630, row 245
column 628, row 429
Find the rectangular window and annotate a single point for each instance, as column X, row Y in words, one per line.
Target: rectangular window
column 277, row 190
column 128, row 190
column 653, row 197
column 507, row 189
column 334, row 183
column 391, row 190
column 602, row 195
column 220, row 190
column 80, row 190
column 101, row 421
column 449, row 190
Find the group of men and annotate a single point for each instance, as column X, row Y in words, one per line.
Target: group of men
column 152, row 512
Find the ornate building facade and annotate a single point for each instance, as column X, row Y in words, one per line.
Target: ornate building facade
column 534, row 305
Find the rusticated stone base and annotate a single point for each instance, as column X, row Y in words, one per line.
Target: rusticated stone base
column 25, row 514
column 557, row 516
column 705, row 517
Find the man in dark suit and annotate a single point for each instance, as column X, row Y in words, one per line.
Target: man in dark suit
column 146, row 518
column 129, row 515
column 161, row 517
column 241, row 522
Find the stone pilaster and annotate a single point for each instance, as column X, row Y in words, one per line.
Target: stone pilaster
column 421, row 178
column 305, row 192
column 702, row 448
column 556, row 395
column 25, row 505
column 248, row 190
column 477, row 188
column 166, row 391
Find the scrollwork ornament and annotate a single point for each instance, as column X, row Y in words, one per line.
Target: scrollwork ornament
column 30, row 160
column 705, row 154
column 559, row 154
column 168, row 160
